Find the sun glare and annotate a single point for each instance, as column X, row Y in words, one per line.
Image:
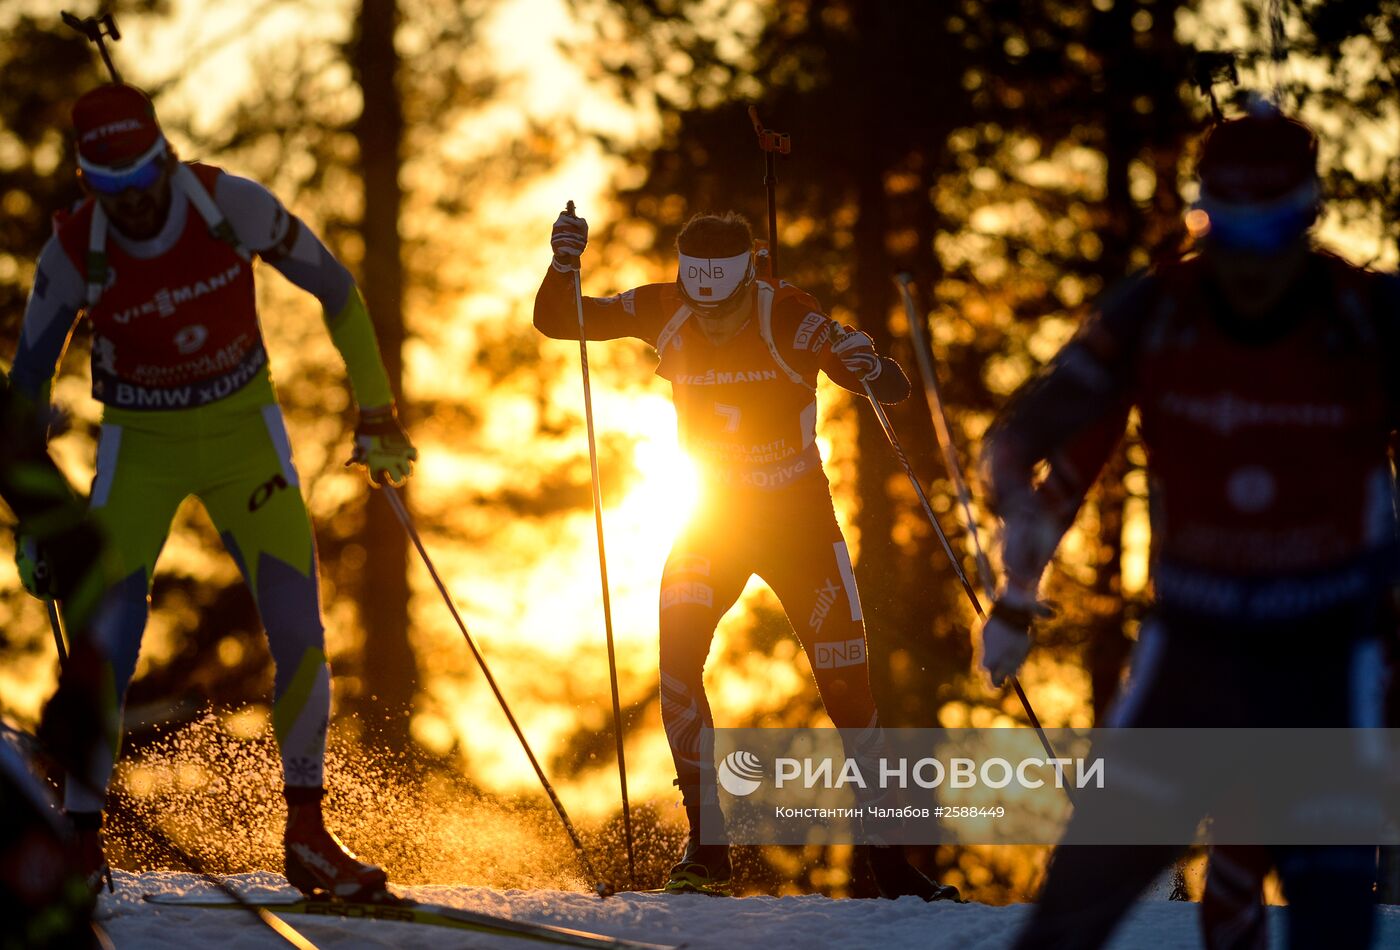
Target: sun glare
column 665, row 495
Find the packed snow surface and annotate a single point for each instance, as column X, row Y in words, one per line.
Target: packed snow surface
column 697, row 922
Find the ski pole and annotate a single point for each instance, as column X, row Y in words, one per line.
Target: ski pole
column 603, row 570
column 284, row 930
column 771, row 143
column 893, row 439
column 903, row 459
column 923, row 354
column 42, row 580
column 405, row 519
column 270, row 920
column 95, row 28
column 56, row 625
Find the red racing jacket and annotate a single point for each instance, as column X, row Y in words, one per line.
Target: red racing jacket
column 1268, row 443
column 172, row 331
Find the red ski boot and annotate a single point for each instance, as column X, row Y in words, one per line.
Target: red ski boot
column 317, row 863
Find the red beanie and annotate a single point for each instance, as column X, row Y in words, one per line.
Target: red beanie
column 114, row 124
column 1257, row 158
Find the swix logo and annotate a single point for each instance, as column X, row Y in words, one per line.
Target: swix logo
column 113, row 128
column 165, row 301
column 740, row 773
column 835, row 655
column 826, row 596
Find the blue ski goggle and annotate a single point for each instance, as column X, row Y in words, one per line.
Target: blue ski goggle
column 1260, row 228
column 140, row 174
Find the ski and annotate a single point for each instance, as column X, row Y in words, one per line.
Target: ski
column 687, row 882
column 687, row 887
column 403, row 910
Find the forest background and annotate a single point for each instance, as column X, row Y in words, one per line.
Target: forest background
column 1017, row 157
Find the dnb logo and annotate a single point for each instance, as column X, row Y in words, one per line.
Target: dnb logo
column 740, row 773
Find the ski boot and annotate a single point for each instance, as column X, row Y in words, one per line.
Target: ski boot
column 87, row 856
column 317, row 863
column 703, row 868
column 896, row 877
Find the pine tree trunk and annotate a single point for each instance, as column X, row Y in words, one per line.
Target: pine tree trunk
column 1122, row 231
column 388, row 668
column 883, row 595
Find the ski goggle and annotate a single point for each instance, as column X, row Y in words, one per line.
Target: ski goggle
column 1265, row 228
column 140, row 174
column 709, row 282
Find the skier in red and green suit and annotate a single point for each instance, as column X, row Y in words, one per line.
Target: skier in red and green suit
column 159, row 257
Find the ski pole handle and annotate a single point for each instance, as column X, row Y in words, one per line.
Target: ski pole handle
column 769, row 140
column 569, row 239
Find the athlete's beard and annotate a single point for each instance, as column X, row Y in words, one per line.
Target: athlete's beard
column 140, row 213
column 1253, row 283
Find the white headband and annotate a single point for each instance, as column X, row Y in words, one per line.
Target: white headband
column 708, row 280
column 157, row 148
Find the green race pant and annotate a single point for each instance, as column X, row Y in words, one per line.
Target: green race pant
column 235, row 457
